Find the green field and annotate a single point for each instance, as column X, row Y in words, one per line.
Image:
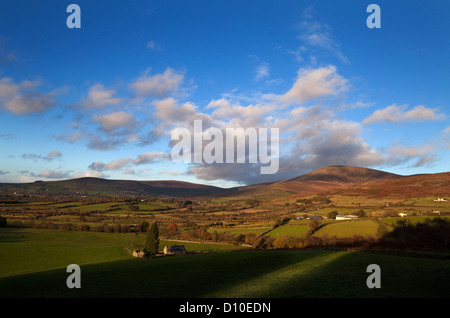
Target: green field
column 29, row 250
column 240, row 230
column 349, row 228
column 412, row 219
column 33, row 264
column 294, row 230
column 264, row 274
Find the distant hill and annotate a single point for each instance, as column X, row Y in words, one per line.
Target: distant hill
column 110, row 188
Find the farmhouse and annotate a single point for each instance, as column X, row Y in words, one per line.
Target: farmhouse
column 138, row 254
column 174, row 250
column 402, row 215
column 346, row 217
column 440, row 200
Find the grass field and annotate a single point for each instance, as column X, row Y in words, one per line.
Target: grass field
column 412, row 219
column 264, row 274
column 33, row 263
column 240, row 230
column 29, row 250
column 349, row 228
column 294, row 230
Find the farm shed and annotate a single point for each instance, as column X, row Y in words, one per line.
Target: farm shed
column 174, row 250
column 346, row 217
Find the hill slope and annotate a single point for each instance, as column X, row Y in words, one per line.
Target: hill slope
column 436, row 184
column 332, row 178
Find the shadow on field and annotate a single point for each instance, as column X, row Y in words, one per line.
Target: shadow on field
column 10, row 236
column 281, row 274
column 344, row 275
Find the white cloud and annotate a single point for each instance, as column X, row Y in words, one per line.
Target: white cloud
column 112, row 165
column 24, row 98
column 262, row 71
column 158, row 85
column 317, row 35
column 119, row 164
column 421, row 155
column 100, row 96
column 171, row 172
column 233, row 115
column 54, row 154
column 54, row 174
column 396, row 113
column 115, row 121
column 149, row 157
column 315, row 83
column 49, row 157
column 169, row 109
column 97, row 143
column 129, row 171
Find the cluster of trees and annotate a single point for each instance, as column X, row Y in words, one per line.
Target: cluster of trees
column 321, row 199
column 108, row 228
column 433, row 232
column 3, row 221
column 143, row 227
column 202, row 234
column 288, row 242
column 312, row 227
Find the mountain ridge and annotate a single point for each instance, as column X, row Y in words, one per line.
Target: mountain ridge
column 336, row 178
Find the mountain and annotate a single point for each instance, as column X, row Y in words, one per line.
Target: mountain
column 435, row 184
column 345, row 174
column 331, row 178
column 109, row 188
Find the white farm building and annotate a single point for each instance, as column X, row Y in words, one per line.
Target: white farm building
column 346, row 217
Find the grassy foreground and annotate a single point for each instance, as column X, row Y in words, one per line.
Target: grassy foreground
column 244, row 273
column 30, row 250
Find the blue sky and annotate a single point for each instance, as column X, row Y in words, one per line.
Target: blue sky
column 102, row 100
